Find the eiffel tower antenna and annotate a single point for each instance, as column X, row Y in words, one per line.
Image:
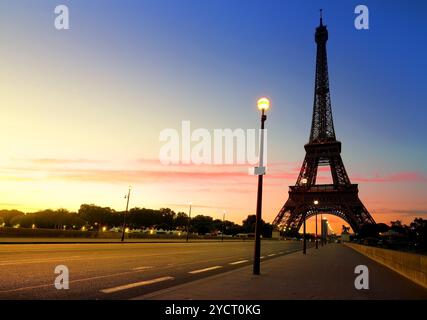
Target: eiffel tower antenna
column 323, row 149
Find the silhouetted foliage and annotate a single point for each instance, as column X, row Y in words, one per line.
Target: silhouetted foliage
column 418, row 232
column 49, row 219
column 202, row 224
column 368, row 230
column 7, row 215
column 382, row 227
column 248, row 226
column 397, row 236
column 181, row 220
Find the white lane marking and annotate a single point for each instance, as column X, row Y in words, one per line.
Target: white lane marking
column 136, row 284
column 271, row 255
column 72, row 281
column 107, row 276
column 262, row 257
column 205, row 269
column 143, row 268
column 239, row 262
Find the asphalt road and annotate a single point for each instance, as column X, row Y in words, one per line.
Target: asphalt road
column 120, row 271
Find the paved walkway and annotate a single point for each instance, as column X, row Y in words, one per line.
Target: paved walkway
column 327, row 273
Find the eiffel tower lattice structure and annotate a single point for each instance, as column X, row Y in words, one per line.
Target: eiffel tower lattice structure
column 323, row 149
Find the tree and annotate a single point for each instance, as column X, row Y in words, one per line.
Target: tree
column 232, row 228
column 368, row 230
column 201, row 224
column 382, row 227
column 143, row 218
column 95, row 215
column 49, row 219
column 8, row 215
column 419, row 233
column 248, row 225
column 168, row 216
column 181, row 220
column 267, row 230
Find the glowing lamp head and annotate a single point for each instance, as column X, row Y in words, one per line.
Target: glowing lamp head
column 316, row 202
column 263, row 104
column 304, row 181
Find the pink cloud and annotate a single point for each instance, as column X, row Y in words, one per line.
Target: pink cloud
column 62, row 169
column 410, row 176
column 58, row 161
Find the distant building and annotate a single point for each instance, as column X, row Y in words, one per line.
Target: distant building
column 345, row 234
column 324, row 229
column 275, row 234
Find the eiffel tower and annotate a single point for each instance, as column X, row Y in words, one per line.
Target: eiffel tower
column 323, row 149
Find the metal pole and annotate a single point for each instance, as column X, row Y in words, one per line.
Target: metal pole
column 304, row 246
column 317, row 246
column 257, row 253
column 124, row 216
column 188, row 223
column 321, row 228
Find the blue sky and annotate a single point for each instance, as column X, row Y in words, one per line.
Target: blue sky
column 128, row 69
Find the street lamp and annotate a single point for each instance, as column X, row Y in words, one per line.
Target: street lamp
column 316, row 203
column 304, row 241
column 321, row 228
column 124, row 216
column 263, row 106
column 188, row 222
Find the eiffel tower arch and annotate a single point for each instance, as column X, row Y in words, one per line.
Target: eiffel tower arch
column 323, row 149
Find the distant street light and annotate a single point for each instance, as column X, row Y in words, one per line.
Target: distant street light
column 263, row 106
column 125, row 214
column 316, row 203
column 304, row 241
column 188, row 222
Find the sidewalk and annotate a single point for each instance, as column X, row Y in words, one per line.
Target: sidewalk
column 327, row 273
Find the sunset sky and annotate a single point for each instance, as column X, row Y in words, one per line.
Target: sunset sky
column 81, row 110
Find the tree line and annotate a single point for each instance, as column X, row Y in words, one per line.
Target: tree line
column 93, row 217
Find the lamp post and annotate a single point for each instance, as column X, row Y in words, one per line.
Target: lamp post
column 124, row 216
column 188, row 222
column 316, row 203
column 321, row 229
column 304, row 241
column 263, row 105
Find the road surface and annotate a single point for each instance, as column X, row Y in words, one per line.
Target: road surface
column 195, row 270
column 120, row 271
